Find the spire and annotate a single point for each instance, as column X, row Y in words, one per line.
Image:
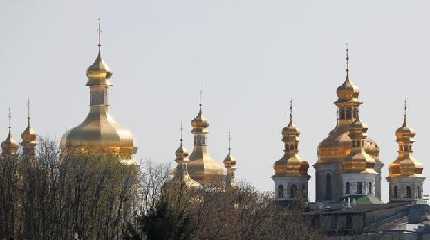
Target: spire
column 9, row 116
column 181, row 129
column 291, row 113
column 99, row 71
column 229, row 142
column 200, row 101
column 28, row 112
column 99, row 32
column 347, row 61
column 405, row 113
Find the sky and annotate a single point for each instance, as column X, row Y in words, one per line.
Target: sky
column 250, row 57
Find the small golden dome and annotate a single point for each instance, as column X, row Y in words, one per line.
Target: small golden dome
column 9, row 146
column 98, row 72
column 199, row 122
column 290, row 130
column 181, row 153
column 347, row 91
column 229, row 161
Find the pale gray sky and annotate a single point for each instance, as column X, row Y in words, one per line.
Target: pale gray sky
column 249, row 56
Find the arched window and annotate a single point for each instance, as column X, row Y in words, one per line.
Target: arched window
column 418, row 192
column 408, row 192
column 348, row 114
column 370, row 188
column 359, row 188
column 281, row 191
column 395, row 194
column 328, row 187
column 348, row 188
column 293, row 191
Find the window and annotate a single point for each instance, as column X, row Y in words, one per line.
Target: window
column 341, row 114
column 348, row 114
column 293, row 191
column 280, row 191
column 304, row 191
column 395, row 194
column 348, row 188
column 408, row 192
column 370, row 188
column 359, row 188
column 328, row 187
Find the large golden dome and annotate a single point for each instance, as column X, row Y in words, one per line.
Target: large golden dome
column 337, row 146
column 99, row 133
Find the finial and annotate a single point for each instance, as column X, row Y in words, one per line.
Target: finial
column 28, row 112
column 347, row 60
column 405, row 112
column 99, row 31
column 201, row 99
column 182, row 129
column 9, row 116
column 229, row 142
column 291, row 111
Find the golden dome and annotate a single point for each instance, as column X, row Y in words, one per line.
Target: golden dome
column 98, row 72
column 347, row 91
column 181, row 153
column 29, row 135
column 229, row 161
column 99, row 133
column 9, row 146
column 199, row 123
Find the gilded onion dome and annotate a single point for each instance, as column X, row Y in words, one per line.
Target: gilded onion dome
column 338, row 144
column 291, row 164
column 229, row 161
column 9, row 146
column 202, row 167
column 99, row 134
column 405, row 165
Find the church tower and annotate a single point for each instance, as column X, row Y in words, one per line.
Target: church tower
column 181, row 176
column 405, row 173
column 202, row 167
column 99, row 134
column 340, row 147
column 9, row 147
column 291, row 171
column 230, row 166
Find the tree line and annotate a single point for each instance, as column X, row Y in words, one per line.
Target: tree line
column 54, row 197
